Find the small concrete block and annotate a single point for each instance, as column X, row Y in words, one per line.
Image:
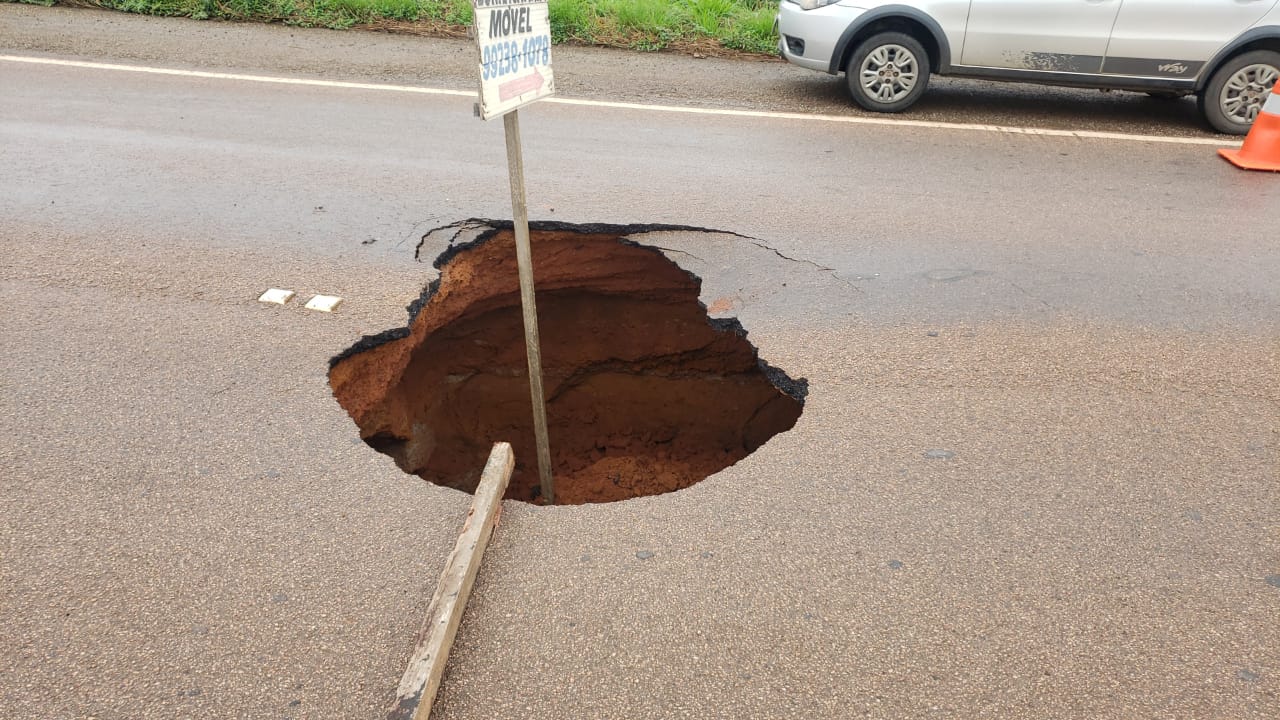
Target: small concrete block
column 324, row 303
column 277, row 296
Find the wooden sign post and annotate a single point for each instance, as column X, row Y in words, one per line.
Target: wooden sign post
column 514, row 40
column 417, row 690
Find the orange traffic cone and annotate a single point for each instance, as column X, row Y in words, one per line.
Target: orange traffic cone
column 1261, row 149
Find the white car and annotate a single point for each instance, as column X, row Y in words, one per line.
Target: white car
column 1225, row 52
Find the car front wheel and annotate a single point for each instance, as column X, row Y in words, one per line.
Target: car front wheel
column 1236, row 92
column 888, row 72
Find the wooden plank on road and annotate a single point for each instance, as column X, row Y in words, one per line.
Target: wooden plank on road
column 417, row 691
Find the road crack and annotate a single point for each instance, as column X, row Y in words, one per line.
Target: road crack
column 463, row 226
column 1031, row 295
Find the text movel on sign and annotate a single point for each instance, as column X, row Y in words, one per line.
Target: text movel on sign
column 514, row 38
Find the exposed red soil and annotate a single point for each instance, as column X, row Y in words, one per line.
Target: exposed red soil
column 645, row 394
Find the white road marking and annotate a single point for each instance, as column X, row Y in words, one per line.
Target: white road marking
column 233, row 76
column 724, row 112
column 324, row 303
column 277, row 296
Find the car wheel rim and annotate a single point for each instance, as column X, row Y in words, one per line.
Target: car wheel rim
column 1246, row 91
column 889, row 73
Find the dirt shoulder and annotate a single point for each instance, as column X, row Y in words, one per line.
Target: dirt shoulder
column 593, row 73
column 602, row 73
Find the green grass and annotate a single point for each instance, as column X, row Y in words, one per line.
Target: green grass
column 572, row 21
column 641, row 15
column 709, row 16
column 753, row 32
column 743, row 25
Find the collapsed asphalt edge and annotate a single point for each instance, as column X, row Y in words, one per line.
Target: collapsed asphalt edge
column 795, row 388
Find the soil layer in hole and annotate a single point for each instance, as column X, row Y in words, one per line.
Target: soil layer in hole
column 646, row 394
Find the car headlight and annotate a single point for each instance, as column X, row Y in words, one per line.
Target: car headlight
column 814, row 4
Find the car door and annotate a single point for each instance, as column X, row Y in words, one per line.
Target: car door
column 1175, row 38
column 1045, row 35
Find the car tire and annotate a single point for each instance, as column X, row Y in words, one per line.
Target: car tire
column 888, row 72
column 1237, row 90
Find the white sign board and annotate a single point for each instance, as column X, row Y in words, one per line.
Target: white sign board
column 515, row 54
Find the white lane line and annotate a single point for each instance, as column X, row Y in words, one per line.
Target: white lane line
column 803, row 117
column 857, row 120
column 234, row 76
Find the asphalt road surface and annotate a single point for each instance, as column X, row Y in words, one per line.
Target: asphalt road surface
column 1037, row 475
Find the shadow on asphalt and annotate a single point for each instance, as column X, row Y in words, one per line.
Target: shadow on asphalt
column 977, row 101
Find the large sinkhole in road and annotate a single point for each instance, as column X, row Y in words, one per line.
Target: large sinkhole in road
column 646, row 394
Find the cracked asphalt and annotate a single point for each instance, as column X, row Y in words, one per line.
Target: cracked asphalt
column 1037, row 475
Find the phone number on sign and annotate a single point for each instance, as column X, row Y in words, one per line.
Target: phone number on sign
column 509, row 57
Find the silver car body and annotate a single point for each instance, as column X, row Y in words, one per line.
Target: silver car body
column 1128, row 44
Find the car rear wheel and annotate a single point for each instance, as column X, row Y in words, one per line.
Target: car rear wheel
column 888, row 72
column 1236, row 92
